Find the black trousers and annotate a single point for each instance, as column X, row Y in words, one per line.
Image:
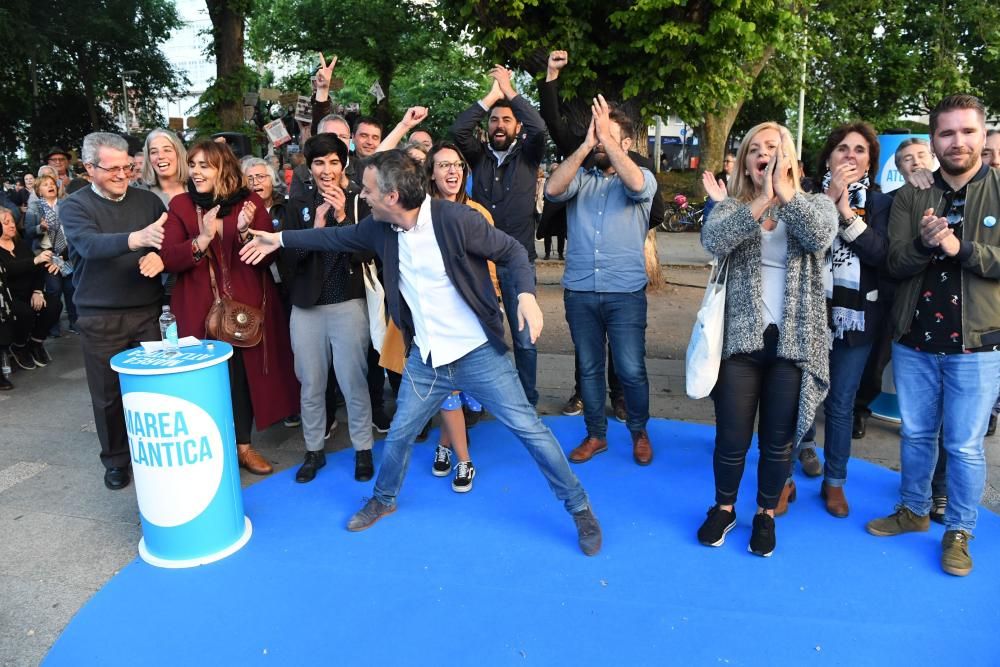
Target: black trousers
column 32, row 323
column 751, row 385
column 103, row 336
column 239, row 390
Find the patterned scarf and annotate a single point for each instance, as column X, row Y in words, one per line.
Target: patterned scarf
column 842, row 279
column 56, row 235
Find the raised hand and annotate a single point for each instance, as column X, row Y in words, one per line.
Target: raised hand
column 414, row 116
column 323, row 76
column 151, row 265
column 716, row 189
column 840, row 178
column 781, row 176
column 150, row 236
column 260, row 246
column 932, row 229
column 246, row 216
column 502, row 76
column 337, row 200
column 601, row 118
column 529, row 313
column 209, row 224
column 557, row 60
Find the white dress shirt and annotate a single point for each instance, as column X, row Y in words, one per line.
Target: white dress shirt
column 445, row 327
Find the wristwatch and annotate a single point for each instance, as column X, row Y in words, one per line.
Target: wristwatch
column 196, row 252
column 847, row 222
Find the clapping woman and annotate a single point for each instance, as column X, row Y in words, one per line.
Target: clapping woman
column 206, row 228
column 774, row 357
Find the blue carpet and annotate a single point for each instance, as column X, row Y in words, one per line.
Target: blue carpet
column 495, row 577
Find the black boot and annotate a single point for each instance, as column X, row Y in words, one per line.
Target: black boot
column 364, row 469
column 860, row 424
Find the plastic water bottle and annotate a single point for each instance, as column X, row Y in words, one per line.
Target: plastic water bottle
column 5, row 363
column 168, row 331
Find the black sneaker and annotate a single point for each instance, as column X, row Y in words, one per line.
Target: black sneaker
column 442, row 462
column 292, row 421
column 465, row 472
column 719, row 522
column 762, row 540
column 39, row 354
column 331, row 429
column 22, row 357
column 939, row 505
column 380, row 421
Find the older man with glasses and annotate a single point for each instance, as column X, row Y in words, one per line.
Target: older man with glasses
column 112, row 229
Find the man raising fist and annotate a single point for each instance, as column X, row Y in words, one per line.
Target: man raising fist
column 113, row 231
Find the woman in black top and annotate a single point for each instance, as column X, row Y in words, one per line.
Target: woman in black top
column 32, row 314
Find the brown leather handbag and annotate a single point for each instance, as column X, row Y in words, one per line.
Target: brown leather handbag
column 232, row 321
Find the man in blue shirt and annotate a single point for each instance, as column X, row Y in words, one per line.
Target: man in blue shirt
column 605, row 279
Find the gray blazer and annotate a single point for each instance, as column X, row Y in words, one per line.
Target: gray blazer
column 811, row 221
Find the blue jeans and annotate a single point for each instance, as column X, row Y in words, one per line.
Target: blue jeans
column 955, row 391
column 488, row 375
column 525, row 354
column 618, row 318
column 847, row 365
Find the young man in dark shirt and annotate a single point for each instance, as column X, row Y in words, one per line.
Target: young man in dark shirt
column 944, row 248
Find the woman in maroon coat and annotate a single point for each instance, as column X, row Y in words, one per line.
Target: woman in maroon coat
column 209, row 222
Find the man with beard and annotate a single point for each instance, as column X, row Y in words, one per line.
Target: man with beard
column 605, row 278
column 504, row 178
column 943, row 248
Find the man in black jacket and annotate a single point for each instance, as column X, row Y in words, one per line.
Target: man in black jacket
column 505, row 173
column 437, row 284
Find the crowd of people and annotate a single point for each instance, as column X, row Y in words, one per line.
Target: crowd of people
column 402, row 256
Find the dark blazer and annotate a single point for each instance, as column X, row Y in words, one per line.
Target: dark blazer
column 303, row 271
column 567, row 142
column 507, row 190
column 466, row 241
column 872, row 248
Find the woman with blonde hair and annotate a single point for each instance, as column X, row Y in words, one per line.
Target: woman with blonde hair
column 165, row 167
column 775, row 356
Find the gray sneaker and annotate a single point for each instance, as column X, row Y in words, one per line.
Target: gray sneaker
column 955, row 558
column 899, row 522
column 368, row 515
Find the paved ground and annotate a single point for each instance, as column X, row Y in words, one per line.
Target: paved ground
column 63, row 535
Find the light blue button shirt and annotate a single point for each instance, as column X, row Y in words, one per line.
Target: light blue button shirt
column 606, row 226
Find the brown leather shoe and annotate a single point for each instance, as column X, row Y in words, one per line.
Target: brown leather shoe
column 251, row 459
column 642, row 450
column 587, row 449
column 836, row 501
column 788, row 495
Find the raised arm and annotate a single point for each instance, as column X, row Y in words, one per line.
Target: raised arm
column 413, row 117
column 321, row 105
column 548, row 98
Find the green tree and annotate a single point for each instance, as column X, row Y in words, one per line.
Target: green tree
column 221, row 105
column 61, row 75
column 696, row 59
column 385, row 36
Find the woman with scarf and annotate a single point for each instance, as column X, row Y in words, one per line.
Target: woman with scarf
column 848, row 158
column 206, row 228
column 59, row 281
column 773, row 238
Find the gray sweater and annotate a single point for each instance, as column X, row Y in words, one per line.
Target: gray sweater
column 105, row 272
column 811, row 221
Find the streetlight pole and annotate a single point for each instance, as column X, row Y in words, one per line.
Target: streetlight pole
column 125, row 73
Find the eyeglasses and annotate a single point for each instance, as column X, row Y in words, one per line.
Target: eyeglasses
column 448, row 166
column 257, row 178
column 125, row 170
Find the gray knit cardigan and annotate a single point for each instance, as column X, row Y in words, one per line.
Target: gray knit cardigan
column 811, row 221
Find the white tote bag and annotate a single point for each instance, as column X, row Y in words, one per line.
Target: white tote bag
column 704, row 351
column 374, row 296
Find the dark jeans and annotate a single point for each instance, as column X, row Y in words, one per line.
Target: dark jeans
column 615, row 390
column 846, row 366
column 61, row 287
column 239, row 391
column 104, row 335
column 871, row 378
column 525, row 354
column 617, row 320
column 751, row 383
